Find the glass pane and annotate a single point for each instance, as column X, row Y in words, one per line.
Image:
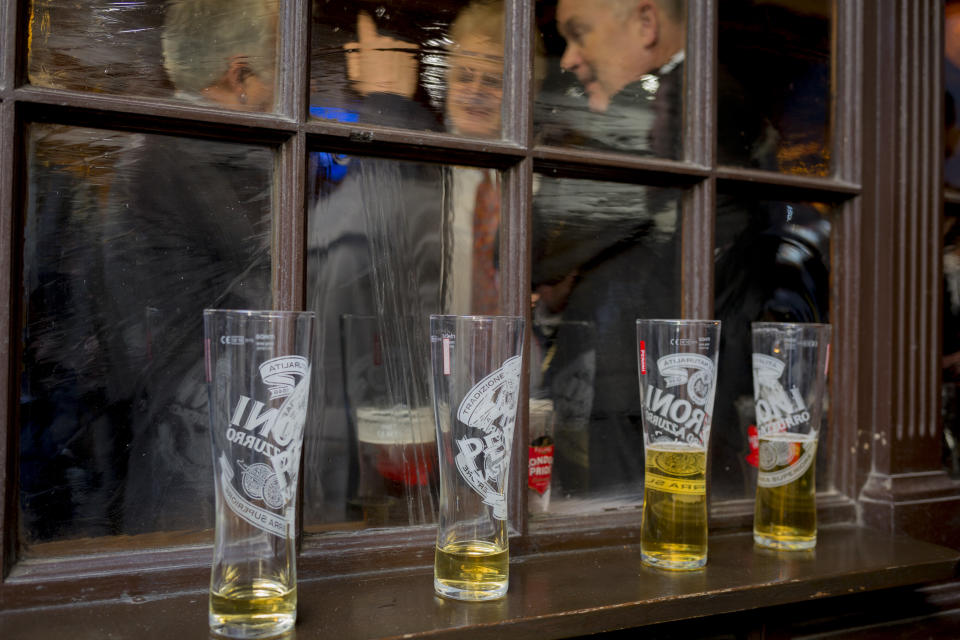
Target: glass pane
column 409, row 64
column 604, row 254
column 951, row 69
column 613, row 75
column 774, row 85
column 950, row 388
column 127, row 238
column 772, row 264
column 216, row 52
column 389, row 242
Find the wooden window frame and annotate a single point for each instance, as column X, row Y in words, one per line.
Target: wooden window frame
column 886, row 206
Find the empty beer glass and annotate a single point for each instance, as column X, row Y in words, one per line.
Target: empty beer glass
column 476, row 364
column 677, row 362
column 258, row 377
column 789, row 376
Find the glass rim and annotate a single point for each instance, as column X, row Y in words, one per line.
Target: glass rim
column 677, row 321
column 443, row 316
column 259, row 313
column 790, row 325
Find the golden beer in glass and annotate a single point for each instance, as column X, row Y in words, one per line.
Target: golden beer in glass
column 270, row 604
column 789, row 378
column 674, row 531
column 785, row 514
column 677, row 362
column 473, row 569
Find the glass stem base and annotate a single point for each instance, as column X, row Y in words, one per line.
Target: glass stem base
column 469, row 594
column 674, row 561
column 785, row 543
column 252, row 628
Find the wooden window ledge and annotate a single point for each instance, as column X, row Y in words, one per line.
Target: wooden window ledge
column 551, row 595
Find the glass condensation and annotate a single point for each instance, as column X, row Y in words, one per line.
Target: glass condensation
column 772, row 264
column 409, row 64
column 603, row 255
column 611, row 76
column 775, row 68
column 127, row 237
column 388, row 243
column 214, row 52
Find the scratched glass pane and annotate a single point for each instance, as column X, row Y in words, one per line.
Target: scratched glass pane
column 774, row 85
column 611, row 76
column 412, row 64
column 214, row 52
column 603, row 255
column 388, row 243
column 772, row 264
column 127, row 237
column 950, row 387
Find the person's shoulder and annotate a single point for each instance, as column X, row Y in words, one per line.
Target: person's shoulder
column 398, row 111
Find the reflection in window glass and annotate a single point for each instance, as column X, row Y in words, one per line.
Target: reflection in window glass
column 774, row 85
column 217, row 52
column 772, row 264
column 604, row 254
column 127, row 239
column 418, row 66
column 614, row 75
column 951, row 342
column 389, row 242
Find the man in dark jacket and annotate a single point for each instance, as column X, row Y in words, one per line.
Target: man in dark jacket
column 605, row 253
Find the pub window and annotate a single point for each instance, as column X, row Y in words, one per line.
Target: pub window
column 379, row 161
column 128, row 234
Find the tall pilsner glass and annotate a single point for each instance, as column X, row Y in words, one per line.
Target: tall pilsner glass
column 677, row 362
column 789, row 376
column 476, row 385
column 258, row 376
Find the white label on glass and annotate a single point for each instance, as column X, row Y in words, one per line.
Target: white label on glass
column 779, row 452
column 490, row 408
column 777, row 410
column 668, row 415
column 261, row 489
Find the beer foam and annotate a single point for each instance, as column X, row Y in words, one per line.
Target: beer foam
column 541, row 416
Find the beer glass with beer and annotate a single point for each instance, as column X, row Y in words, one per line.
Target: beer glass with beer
column 258, row 381
column 677, row 362
column 790, row 363
column 476, row 363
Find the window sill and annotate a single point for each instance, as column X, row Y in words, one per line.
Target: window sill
column 551, row 595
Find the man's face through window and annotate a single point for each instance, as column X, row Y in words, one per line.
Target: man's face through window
column 476, row 88
column 609, row 44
